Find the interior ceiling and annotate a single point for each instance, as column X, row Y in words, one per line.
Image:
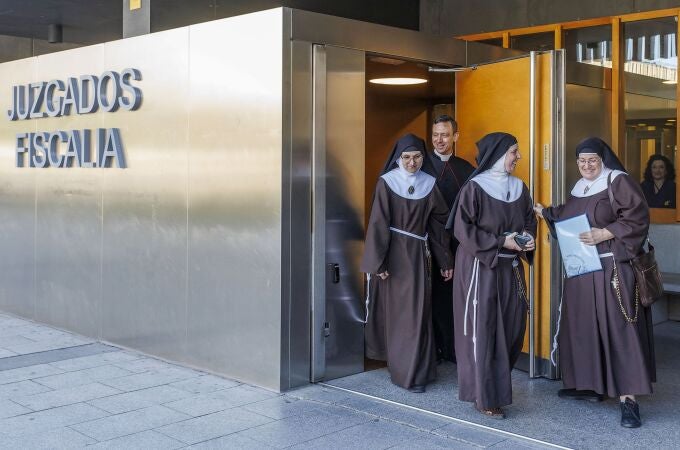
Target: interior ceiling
column 439, row 88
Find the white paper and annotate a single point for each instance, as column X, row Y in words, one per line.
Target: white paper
column 578, row 258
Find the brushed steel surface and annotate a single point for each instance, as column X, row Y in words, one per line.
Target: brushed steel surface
column 297, row 250
column 558, row 187
column 179, row 254
column 532, row 173
column 17, row 203
column 478, row 53
column 344, row 210
column 68, row 210
column 235, row 135
column 144, row 245
column 318, row 303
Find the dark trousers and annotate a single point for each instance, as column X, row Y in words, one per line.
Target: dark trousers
column 442, row 315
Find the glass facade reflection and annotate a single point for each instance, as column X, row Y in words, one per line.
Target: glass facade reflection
column 651, row 63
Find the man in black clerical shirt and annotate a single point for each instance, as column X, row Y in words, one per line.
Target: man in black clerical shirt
column 451, row 174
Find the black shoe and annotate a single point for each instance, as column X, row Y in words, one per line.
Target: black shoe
column 630, row 414
column 574, row 394
column 417, row 388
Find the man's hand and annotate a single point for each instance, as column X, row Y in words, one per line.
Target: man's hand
column 538, row 209
column 447, row 274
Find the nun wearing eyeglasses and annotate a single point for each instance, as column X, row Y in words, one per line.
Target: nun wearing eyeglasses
column 605, row 341
column 405, row 228
column 494, row 221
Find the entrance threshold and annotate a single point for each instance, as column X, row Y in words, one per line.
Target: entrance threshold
column 444, row 416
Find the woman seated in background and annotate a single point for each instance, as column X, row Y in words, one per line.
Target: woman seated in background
column 659, row 183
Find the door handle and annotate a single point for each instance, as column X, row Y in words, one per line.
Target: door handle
column 335, row 268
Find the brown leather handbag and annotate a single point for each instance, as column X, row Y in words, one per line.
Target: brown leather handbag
column 647, row 275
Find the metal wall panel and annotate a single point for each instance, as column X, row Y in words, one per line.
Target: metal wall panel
column 68, row 213
column 144, row 223
column 179, row 254
column 296, row 250
column 235, row 137
column 17, row 204
column 344, row 210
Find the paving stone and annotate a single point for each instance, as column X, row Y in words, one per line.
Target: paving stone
column 428, row 441
column 213, row 425
column 516, row 444
column 130, row 401
column 320, row 394
column 128, row 423
column 82, row 377
column 43, row 346
column 67, row 396
column 205, row 384
column 101, row 359
column 376, row 434
column 27, row 373
column 9, row 408
column 282, row 407
column 232, row 441
column 421, row 420
column 146, row 440
column 10, row 342
column 470, row 435
column 305, row 427
column 143, row 364
column 49, row 419
column 21, row 389
column 152, row 378
column 200, row 405
column 58, row 439
column 4, row 353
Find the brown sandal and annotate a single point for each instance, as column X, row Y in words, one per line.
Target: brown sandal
column 494, row 413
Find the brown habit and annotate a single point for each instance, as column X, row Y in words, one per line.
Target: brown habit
column 498, row 321
column 399, row 326
column 598, row 349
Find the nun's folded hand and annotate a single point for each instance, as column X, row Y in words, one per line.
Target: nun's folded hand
column 447, row 274
column 531, row 245
column 384, row 275
column 510, row 243
column 595, row 236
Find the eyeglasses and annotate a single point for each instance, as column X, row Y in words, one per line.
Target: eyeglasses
column 588, row 162
column 409, row 158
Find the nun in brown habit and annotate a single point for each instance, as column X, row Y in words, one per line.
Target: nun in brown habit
column 489, row 294
column 605, row 337
column 406, row 224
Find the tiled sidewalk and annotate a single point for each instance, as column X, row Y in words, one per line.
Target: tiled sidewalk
column 59, row 390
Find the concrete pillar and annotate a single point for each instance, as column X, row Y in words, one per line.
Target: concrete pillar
column 136, row 17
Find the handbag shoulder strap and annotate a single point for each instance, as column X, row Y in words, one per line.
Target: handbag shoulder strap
column 611, row 201
column 609, row 190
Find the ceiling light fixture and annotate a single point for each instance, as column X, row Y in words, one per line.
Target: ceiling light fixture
column 398, row 81
column 670, row 82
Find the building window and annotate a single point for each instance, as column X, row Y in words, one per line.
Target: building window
column 651, row 63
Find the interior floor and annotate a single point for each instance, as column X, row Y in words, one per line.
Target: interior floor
column 537, row 412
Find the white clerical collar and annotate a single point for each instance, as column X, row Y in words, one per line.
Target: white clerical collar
column 442, row 156
column 586, row 188
column 498, row 183
column 409, row 185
